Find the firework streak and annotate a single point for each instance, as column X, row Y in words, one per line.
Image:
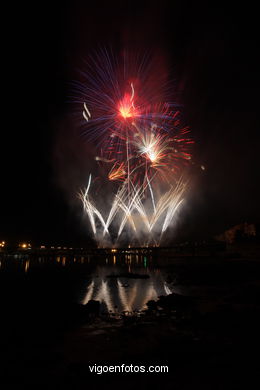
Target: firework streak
column 140, row 146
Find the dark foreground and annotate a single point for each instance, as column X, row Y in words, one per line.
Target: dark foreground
column 209, row 340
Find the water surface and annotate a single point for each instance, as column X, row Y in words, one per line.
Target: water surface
column 80, row 279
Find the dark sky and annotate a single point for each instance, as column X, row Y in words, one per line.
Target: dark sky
column 213, row 54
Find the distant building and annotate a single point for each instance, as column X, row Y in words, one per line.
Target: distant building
column 243, row 230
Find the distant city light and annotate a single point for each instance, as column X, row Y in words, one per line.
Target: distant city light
column 25, row 245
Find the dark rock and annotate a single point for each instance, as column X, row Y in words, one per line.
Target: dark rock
column 93, row 308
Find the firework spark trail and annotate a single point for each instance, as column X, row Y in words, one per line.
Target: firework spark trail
column 88, row 209
column 115, row 206
column 127, row 203
column 151, row 192
column 138, row 205
column 91, row 209
column 129, row 200
column 128, row 208
column 168, row 202
column 117, row 172
column 143, row 149
column 86, row 114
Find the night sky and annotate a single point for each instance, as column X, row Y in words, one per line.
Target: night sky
column 213, row 54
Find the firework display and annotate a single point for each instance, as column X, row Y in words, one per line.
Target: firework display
column 141, row 149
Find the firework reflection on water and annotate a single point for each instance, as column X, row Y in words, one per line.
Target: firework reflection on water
column 122, row 294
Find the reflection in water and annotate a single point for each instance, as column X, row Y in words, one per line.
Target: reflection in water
column 118, row 293
column 121, row 293
column 89, row 293
column 166, row 288
column 123, row 297
column 103, row 295
column 27, row 265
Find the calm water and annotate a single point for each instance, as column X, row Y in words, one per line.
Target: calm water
column 80, row 279
column 123, row 293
